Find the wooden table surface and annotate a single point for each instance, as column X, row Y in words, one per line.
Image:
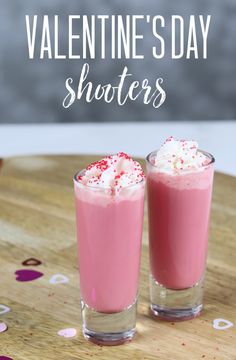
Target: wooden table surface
column 37, row 220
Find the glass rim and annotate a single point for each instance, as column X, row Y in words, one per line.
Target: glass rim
column 103, row 187
column 207, row 154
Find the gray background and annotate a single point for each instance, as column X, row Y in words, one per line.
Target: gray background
column 33, row 91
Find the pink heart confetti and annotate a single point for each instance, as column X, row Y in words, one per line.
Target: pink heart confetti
column 3, row 327
column 67, row 333
column 58, row 279
column 4, row 309
column 222, row 324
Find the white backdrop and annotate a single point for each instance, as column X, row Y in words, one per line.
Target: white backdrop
column 137, row 139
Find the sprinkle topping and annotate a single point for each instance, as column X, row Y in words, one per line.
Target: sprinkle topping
column 176, row 156
column 115, row 172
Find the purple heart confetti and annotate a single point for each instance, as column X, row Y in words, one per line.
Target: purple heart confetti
column 2, row 357
column 27, row 275
column 32, row 262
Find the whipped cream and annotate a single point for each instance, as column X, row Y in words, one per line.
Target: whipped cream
column 114, row 172
column 176, row 156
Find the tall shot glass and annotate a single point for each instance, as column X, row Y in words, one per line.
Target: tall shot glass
column 109, row 234
column 178, row 211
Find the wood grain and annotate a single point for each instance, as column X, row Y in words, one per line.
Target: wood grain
column 37, row 220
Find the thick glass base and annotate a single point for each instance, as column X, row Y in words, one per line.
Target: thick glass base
column 109, row 328
column 176, row 305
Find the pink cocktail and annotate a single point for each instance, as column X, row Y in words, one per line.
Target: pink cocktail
column 179, row 201
column 109, row 230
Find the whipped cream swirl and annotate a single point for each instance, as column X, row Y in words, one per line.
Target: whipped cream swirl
column 114, row 172
column 177, row 156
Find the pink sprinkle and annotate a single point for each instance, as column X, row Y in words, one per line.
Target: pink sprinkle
column 170, row 138
column 123, row 155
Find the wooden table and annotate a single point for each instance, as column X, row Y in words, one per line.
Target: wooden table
column 37, row 220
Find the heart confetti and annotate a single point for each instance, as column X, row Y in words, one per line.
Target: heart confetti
column 32, row 262
column 222, row 324
column 5, row 358
column 58, row 279
column 27, row 275
column 4, row 309
column 67, row 333
column 3, row 327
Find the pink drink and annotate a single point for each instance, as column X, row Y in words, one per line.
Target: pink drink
column 109, row 232
column 179, row 208
column 109, row 198
column 179, row 180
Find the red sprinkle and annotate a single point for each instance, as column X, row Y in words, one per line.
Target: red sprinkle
column 123, row 155
column 104, row 164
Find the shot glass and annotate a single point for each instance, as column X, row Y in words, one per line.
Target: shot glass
column 109, row 234
column 178, row 212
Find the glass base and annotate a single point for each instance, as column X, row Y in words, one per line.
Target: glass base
column 109, row 328
column 176, row 305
